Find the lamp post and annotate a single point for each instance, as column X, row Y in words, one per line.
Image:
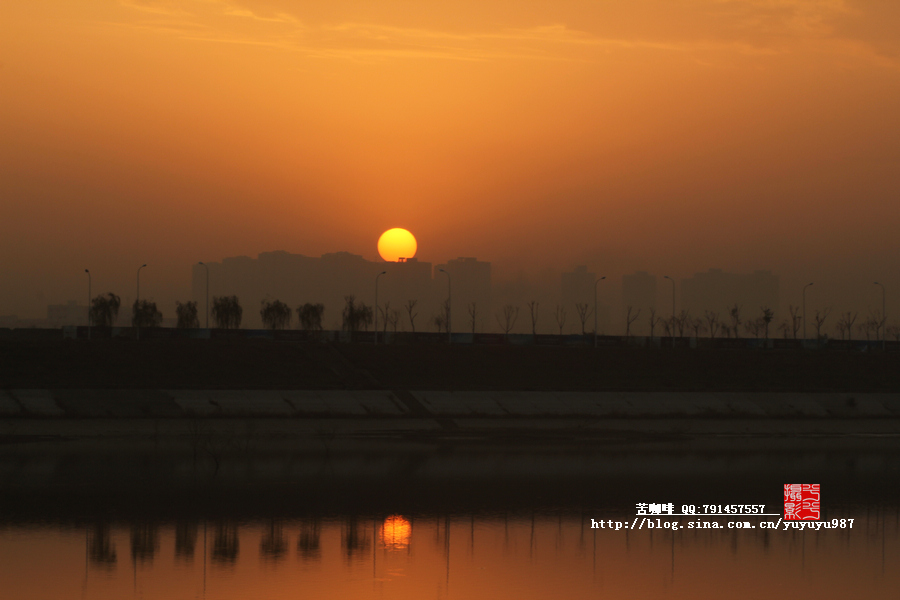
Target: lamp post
column 89, row 302
column 673, row 303
column 137, row 300
column 207, row 293
column 595, row 309
column 804, row 309
column 883, row 316
column 449, row 299
column 376, row 304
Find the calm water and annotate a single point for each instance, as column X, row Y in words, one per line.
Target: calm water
column 88, row 520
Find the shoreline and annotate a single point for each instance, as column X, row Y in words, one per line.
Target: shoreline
column 439, row 414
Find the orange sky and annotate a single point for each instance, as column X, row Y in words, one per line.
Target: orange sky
column 665, row 135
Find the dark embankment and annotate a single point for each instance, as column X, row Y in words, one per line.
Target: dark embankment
column 262, row 364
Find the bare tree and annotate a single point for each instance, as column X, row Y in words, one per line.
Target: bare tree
column 841, row 326
column 871, row 326
column 754, row 326
column 654, row 321
column 796, row 319
column 473, row 313
column 385, row 312
column 533, row 310
column 785, row 328
column 845, row 324
column 410, row 307
column 668, row 326
column 105, row 310
column 506, row 318
column 442, row 319
column 275, row 314
column 697, row 325
column 560, row 315
column 878, row 320
column 819, row 320
column 310, row 316
column 681, row 321
column 767, row 315
column 439, row 321
column 393, row 317
column 712, row 322
column 187, row 315
column 445, row 307
column 584, row 311
column 630, row 317
column 894, row 331
column 865, row 327
column 735, row 313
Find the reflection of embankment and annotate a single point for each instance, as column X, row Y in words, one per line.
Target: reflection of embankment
column 249, row 478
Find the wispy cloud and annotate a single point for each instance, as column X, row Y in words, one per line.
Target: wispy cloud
column 729, row 27
column 155, row 7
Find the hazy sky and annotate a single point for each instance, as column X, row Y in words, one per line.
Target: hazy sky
column 665, row 135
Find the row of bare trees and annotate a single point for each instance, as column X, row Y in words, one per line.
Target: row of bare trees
column 227, row 313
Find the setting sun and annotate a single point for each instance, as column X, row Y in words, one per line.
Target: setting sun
column 395, row 244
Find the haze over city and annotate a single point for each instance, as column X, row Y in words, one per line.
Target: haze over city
column 657, row 135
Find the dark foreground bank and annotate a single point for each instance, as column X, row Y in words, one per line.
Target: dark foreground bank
column 262, row 364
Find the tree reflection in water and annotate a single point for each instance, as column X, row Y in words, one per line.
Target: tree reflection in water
column 101, row 549
column 226, row 545
column 144, row 542
column 185, row 540
column 308, row 541
column 273, row 545
column 354, row 537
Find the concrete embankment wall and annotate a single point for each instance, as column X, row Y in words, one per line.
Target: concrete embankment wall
column 298, row 411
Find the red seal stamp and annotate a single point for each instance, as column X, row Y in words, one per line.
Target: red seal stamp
column 801, row 502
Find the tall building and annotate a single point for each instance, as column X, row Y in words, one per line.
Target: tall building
column 297, row 279
column 717, row 290
column 470, row 284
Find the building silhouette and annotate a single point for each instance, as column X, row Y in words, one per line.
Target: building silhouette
column 297, row 279
column 717, row 290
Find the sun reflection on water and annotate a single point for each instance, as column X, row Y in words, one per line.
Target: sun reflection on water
column 395, row 532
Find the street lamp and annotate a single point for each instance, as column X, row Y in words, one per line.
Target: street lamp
column 595, row 309
column 138, row 299
column 207, row 293
column 673, row 303
column 449, row 298
column 804, row 309
column 883, row 316
column 376, row 304
column 89, row 302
